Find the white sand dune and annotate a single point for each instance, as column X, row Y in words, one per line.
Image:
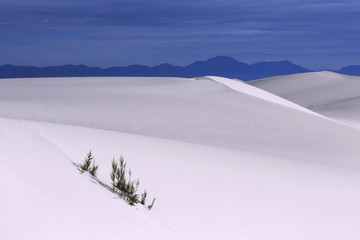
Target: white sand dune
column 244, row 88
column 330, row 94
column 225, row 160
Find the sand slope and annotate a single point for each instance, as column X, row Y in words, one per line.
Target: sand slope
column 331, row 94
column 225, row 161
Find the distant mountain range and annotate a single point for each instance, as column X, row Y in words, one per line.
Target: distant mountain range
column 218, row 66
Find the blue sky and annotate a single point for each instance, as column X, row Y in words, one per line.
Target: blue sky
column 315, row 34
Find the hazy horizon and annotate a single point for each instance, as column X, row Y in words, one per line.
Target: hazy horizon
column 176, row 65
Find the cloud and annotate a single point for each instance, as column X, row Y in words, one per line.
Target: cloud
column 274, row 14
column 180, row 15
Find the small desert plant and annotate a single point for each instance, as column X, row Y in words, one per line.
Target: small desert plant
column 143, row 197
column 118, row 175
column 152, row 204
column 125, row 188
column 121, row 178
column 85, row 167
column 93, row 169
column 89, row 165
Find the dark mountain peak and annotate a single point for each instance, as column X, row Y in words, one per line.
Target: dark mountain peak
column 164, row 65
column 15, row 66
column 275, row 63
column 226, row 59
column 284, row 66
column 221, row 66
column 137, row 65
column 285, row 62
column 70, row 66
column 351, row 70
column 350, row 67
column 222, row 60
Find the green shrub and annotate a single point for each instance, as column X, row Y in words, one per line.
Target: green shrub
column 152, row 204
column 123, row 187
column 89, row 165
column 93, row 170
column 85, row 167
column 143, row 197
column 121, row 180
